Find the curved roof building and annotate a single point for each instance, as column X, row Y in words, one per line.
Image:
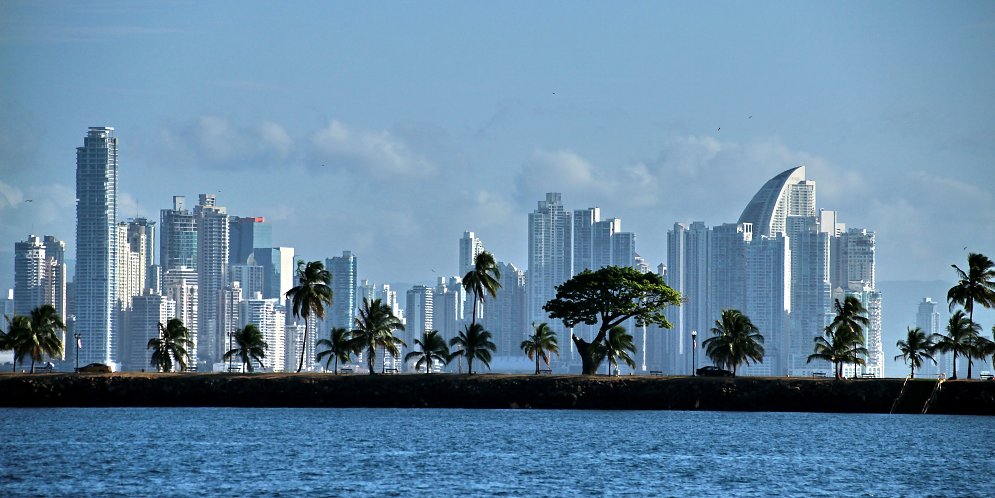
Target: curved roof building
column 769, row 208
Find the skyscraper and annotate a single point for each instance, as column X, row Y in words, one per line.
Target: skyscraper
column 505, row 314
column 278, row 270
column 550, row 263
column 245, row 235
column 469, row 247
column 39, row 275
column 768, row 300
column 268, row 316
column 96, row 244
column 343, row 270
column 928, row 319
column 212, row 272
column 688, row 260
column 178, row 237
column 141, row 323
column 420, row 311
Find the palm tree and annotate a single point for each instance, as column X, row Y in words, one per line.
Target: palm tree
column 736, row 341
column 958, row 340
column 848, row 324
column 310, row 296
column 433, row 348
column 340, row 348
column 618, row 345
column 18, row 333
column 915, row 348
column 474, row 343
column 249, row 345
column 170, row 346
column 375, row 326
column 7, row 340
column 43, row 336
column 483, row 278
column 975, row 286
column 838, row 347
column 540, row 344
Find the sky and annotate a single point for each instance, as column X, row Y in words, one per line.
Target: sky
column 390, row 128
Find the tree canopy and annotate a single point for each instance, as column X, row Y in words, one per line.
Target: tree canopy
column 610, row 296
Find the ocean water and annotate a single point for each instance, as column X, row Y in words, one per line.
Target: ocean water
column 431, row 453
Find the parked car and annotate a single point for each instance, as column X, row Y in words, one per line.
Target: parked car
column 95, row 368
column 713, row 371
column 45, row 367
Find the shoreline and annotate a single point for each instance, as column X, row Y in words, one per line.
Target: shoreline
column 495, row 391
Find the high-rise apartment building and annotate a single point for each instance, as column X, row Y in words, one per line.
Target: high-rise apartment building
column 247, row 234
column 178, row 237
column 688, row 260
column 469, row 247
column 550, row 263
column 505, row 316
column 212, row 272
column 928, row 319
column 420, row 311
column 96, row 245
column 811, row 292
column 180, row 285
column 249, row 276
column 768, row 301
column 140, row 324
column 40, row 275
column 278, row 270
column 268, row 316
column 448, row 304
column 343, row 270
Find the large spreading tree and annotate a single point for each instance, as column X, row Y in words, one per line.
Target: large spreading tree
column 610, row 296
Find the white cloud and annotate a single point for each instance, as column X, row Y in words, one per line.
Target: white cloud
column 10, row 196
column 215, row 142
column 364, row 151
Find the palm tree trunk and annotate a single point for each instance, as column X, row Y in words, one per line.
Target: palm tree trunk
column 304, row 344
column 469, row 365
column 912, row 372
column 537, row 363
column 954, row 376
column 336, row 367
column 372, row 353
column 33, row 366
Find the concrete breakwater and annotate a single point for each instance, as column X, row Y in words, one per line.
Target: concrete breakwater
column 498, row 391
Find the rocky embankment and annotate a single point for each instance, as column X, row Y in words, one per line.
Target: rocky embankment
column 496, row 391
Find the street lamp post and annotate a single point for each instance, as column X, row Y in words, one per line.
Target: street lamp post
column 694, row 353
column 78, row 337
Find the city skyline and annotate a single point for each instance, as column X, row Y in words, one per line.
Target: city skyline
column 654, row 122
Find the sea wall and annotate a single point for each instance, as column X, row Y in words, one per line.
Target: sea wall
column 495, row 391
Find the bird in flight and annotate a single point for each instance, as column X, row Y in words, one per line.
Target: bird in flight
column 29, row 200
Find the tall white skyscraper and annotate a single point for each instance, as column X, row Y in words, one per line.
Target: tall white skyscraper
column 268, row 316
column 177, row 237
column 278, row 270
column 928, row 319
column 420, row 311
column 180, row 285
column 469, row 247
column 212, row 271
column 344, row 271
column 550, row 263
column 449, row 301
column 504, row 315
column 39, row 275
column 96, row 245
column 141, row 323
column 768, row 301
column 688, row 260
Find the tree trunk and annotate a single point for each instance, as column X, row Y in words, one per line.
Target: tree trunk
column 372, row 353
column 954, row 376
column 588, row 365
column 33, row 366
column 912, row 373
column 335, row 368
column 304, row 345
column 969, row 364
column 537, row 363
column 469, row 365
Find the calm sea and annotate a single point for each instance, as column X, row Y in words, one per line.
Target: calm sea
column 430, row 453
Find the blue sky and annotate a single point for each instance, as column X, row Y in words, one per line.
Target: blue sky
column 389, row 128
